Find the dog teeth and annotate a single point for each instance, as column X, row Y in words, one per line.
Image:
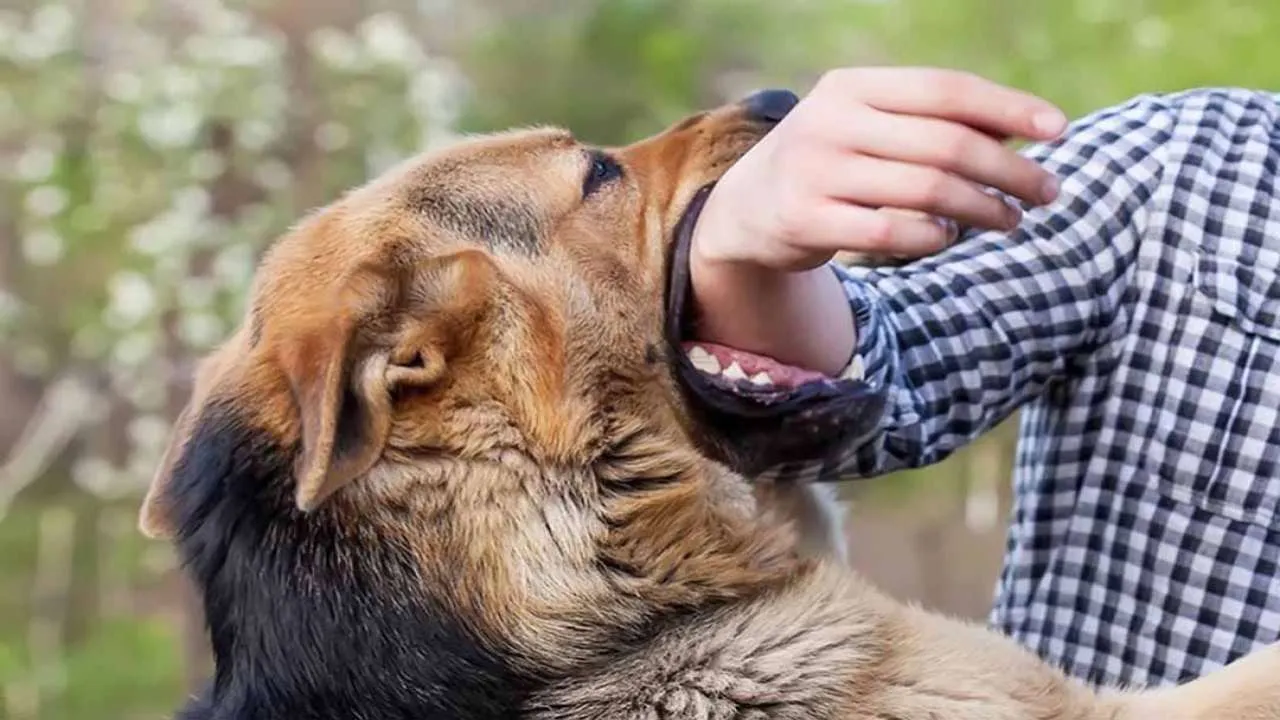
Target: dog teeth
column 735, row 372
column 704, row 361
column 707, row 363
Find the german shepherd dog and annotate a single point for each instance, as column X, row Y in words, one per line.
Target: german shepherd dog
column 456, row 463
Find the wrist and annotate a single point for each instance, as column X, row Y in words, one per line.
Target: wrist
column 798, row 318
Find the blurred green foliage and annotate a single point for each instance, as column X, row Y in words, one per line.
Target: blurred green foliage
column 150, row 150
column 614, row 71
column 1085, row 54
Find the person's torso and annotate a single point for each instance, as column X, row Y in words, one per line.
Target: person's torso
column 1145, row 545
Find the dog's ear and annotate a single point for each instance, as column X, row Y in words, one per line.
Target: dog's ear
column 344, row 407
column 340, row 372
column 344, row 385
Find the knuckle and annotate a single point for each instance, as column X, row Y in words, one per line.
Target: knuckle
column 843, row 78
column 965, row 79
column 950, row 87
column 825, row 83
column 836, row 76
column 955, row 148
column 933, row 189
column 959, row 81
column 878, row 235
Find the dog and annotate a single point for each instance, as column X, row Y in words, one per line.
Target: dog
column 457, row 462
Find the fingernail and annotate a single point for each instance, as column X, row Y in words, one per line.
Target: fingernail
column 949, row 227
column 1049, row 191
column 1014, row 214
column 1050, row 122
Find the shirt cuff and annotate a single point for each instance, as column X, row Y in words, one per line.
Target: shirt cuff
column 871, row 352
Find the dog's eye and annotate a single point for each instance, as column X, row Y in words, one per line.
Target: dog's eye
column 603, row 169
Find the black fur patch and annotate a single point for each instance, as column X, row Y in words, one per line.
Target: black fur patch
column 353, row 424
column 505, row 226
column 314, row 617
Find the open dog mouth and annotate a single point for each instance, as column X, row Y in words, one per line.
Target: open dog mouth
column 755, row 411
column 728, row 367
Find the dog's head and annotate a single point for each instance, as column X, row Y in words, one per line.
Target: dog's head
column 519, row 291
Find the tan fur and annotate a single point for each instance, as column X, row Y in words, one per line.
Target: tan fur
column 470, row 357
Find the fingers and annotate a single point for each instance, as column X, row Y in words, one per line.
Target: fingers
column 884, row 161
column 950, row 95
column 956, row 149
column 875, row 183
column 835, row 226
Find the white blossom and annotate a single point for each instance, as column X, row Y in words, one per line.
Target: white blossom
column 170, row 127
column 192, row 202
column 10, row 308
column 201, row 329
column 124, row 86
column 43, row 247
column 436, row 96
column 334, row 48
column 36, row 163
column 179, row 82
column 48, row 34
column 46, row 201
column 233, row 50
column 149, row 432
column 257, row 133
column 386, row 40
column 134, row 348
column 131, row 298
column 95, row 475
column 233, row 266
column 273, row 174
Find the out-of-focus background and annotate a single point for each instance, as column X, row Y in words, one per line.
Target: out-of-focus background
column 149, row 149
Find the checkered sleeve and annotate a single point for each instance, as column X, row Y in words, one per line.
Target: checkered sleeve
column 959, row 340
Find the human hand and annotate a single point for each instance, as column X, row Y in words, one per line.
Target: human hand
column 880, row 161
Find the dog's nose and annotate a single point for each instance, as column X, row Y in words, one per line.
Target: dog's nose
column 770, row 105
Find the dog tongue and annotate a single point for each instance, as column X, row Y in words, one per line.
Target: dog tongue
column 782, row 375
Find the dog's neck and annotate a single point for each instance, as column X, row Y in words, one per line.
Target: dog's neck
column 298, row 605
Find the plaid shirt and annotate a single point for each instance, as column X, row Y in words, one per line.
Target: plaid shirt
column 1136, row 324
